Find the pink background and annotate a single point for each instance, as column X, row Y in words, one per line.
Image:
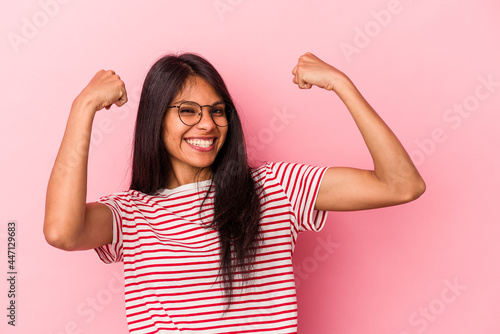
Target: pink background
column 432, row 266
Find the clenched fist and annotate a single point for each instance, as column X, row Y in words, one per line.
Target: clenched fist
column 312, row 71
column 105, row 89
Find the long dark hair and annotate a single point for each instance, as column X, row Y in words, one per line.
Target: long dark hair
column 236, row 203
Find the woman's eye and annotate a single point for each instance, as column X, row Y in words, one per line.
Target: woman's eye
column 219, row 111
column 187, row 111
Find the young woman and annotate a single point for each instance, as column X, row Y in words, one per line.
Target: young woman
column 206, row 240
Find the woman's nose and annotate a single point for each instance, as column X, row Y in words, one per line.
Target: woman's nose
column 206, row 121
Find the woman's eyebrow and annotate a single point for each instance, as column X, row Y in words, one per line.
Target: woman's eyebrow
column 182, row 101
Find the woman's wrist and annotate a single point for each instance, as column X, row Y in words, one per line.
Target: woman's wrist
column 83, row 105
column 344, row 87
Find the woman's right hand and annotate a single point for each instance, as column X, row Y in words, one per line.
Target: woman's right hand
column 105, row 89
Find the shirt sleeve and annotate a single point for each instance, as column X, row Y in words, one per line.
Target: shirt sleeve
column 113, row 252
column 301, row 184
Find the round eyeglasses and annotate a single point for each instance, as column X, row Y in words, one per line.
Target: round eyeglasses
column 190, row 113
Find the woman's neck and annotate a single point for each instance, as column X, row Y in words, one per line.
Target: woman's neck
column 183, row 177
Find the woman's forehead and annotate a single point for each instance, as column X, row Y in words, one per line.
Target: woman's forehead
column 197, row 89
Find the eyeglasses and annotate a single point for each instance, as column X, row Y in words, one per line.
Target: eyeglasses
column 190, row 113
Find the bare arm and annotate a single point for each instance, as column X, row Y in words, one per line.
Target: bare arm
column 70, row 223
column 393, row 180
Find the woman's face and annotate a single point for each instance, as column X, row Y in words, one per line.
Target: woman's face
column 192, row 147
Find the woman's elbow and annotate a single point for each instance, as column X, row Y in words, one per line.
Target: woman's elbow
column 56, row 238
column 420, row 188
column 412, row 190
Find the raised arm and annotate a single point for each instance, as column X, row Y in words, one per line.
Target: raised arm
column 70, row 223
column 394, row 178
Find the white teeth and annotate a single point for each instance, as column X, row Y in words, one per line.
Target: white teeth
column 201, row 142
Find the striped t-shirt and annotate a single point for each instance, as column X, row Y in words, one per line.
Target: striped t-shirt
column 171, row 259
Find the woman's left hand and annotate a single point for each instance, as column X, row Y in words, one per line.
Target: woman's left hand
column 312, row 71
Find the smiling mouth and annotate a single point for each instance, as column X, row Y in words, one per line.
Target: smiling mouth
column 204, row 143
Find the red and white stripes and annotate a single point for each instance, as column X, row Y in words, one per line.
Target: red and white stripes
column 171, row 259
